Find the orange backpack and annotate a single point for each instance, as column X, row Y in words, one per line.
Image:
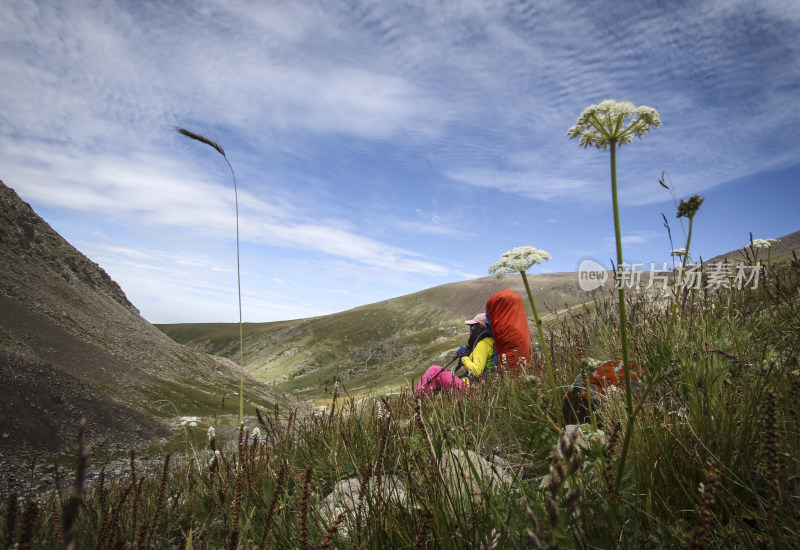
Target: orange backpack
column 506, row 318
column 575, row 406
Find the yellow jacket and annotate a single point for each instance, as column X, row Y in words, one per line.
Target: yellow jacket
column 480, row 356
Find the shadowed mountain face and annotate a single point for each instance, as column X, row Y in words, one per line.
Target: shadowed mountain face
column 72, row 345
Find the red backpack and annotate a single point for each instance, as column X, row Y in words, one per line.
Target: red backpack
column 508, row 322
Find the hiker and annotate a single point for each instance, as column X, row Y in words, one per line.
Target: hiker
column 477, row 357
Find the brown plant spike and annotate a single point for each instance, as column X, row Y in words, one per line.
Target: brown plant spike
column 699, row 537
column 422, row 534
column 304, row 508
column 10, row 520
column 333, row 528
column 274, row 502
column 28, row 525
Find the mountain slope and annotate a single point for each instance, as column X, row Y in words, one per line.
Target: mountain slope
column 384, row 345
column 781, row 251
column 73, row 345
column 374, row 347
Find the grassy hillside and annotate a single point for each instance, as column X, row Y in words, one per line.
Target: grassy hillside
column 377, row 347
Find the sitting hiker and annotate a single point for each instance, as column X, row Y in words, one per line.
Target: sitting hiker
column 477, row 357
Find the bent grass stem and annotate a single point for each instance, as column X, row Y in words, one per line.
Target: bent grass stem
column 218, row 148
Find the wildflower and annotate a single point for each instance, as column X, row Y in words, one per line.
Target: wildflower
column 519, row 259
column 603, row 124
column 189, row 421
column 765, row 243
column 212, row 434
column 688, row 208
column 256, row 433
column 379, row 411
column 678, row 252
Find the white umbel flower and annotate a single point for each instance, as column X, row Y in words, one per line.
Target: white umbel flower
column 519, row 259
column 765, row 243
column 604, row 123
column 678, row 252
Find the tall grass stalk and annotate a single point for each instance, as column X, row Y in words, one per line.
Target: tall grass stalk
column 550, row 371
column 218, row 148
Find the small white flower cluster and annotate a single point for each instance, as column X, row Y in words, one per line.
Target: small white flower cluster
column 256, row 433
column 678, row 252
column 602, row 124
column 519, row 259
column 379, row 414
column 765, row 243
column 190, row 421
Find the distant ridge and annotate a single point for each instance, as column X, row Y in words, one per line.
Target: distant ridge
column 780, row 251
column 387, row 344
column 72, row 345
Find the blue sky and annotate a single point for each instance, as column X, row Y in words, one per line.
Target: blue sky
column 382, row 148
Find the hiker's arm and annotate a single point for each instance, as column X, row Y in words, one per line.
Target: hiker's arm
column 476, row 362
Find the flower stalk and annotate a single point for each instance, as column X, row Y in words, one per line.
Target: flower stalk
column 686, row 209
column 603, row 126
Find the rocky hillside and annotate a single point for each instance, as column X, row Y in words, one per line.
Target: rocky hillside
column 72, row 345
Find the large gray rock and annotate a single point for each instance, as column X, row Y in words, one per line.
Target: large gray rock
column 345, row 498
column 470, row 475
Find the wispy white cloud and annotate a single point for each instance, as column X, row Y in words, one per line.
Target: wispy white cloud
column 319, row 104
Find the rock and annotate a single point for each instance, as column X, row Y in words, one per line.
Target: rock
column 345, row 498
column 586, row 436
column 467, row 473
